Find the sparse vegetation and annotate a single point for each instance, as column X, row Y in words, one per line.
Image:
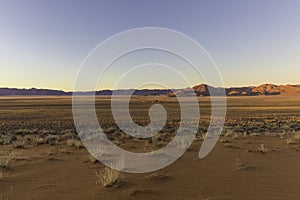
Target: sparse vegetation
column 57, row 122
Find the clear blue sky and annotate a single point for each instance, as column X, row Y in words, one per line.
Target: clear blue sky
column 42, row 43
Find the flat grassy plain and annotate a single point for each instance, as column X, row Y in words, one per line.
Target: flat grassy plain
column 257, row 156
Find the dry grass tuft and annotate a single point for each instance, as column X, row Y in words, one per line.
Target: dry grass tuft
column 263, row 148
column 255, row 135
column 138, row 192
column 7, row 196
column 240, row 166
column 92, row 159
column 293, row 140
column 108, row 176
column 5, row 161
column 154, row 143
column 297, row 136
column 39, row 140
column 19, row 144
column 52, row 139
column 157, row 176
column 75, row 143
column 111, row 129
column 231, row 146
column 7, row 139
column 230, row 134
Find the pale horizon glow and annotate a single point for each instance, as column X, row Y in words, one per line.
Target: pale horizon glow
column 43, row 43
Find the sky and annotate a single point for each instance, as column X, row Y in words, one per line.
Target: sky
column 43, row 43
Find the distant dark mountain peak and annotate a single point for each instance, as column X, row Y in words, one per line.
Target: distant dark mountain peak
column 199, row 90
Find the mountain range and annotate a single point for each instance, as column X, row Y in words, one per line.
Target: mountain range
column 199, row 90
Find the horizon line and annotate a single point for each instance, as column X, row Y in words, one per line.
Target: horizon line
column 240, row 86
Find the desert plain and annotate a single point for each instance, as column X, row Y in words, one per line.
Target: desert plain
column 256, row 157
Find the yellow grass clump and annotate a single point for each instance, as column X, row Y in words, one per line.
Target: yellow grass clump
column 75, row 143
column 19, row 144
column 5, row 161
column 293, row 140
column 107, row 176
column 262, row 148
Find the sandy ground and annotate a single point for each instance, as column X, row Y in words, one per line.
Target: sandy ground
column 234, row 170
